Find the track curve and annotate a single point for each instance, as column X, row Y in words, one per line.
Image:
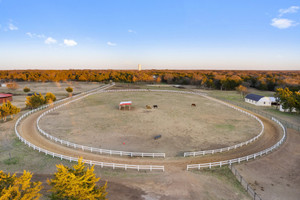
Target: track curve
column 28, row 131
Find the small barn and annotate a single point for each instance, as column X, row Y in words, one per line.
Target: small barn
column 259, row 100
column 124, row 104
column 5, row 97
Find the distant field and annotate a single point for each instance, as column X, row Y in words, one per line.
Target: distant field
column 96, row 121
column 57, row 88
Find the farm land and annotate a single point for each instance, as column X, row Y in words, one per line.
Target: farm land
column 281, row 181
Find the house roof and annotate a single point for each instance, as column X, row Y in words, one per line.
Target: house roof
column 5, row 95
column 254, row 97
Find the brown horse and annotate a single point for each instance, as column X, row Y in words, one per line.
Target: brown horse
column 193, row 105
column 148, row 107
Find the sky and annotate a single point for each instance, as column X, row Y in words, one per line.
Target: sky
column 158, row 34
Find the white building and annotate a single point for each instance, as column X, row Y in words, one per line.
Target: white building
column 140, row 67
column 286, row 110
column 259, row 100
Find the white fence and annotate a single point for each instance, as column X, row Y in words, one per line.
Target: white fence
column 91, row 162
column 87, row 148
column 245, row 158
column 244, row 183
column 234, row 146
column 212, row 151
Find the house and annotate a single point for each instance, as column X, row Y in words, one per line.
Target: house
column 259, row 100
column 5, row 97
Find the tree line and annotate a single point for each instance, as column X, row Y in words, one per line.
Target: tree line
column 213, row 79
column 70, row 183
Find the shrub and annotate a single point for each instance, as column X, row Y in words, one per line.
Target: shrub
column 12, row 85
column 69, row 89
column 26, row 89
column 50, row 97
column 35, row 100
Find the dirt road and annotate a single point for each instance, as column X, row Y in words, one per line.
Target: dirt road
column 29, row 131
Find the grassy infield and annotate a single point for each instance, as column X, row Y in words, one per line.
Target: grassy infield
column 15, row 156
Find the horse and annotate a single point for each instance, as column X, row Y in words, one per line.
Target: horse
column 148, row 107
column 193, row 105
column 155, row 106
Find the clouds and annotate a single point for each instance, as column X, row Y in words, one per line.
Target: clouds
column 9, row 27
column 70, row 43
column 33, row 35
column 111, row 44
column 50, row 40
column 284, row 23
column 292, row 9
column 131, row 31
column 12, row 27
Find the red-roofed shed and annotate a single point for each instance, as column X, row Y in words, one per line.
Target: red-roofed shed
column 124, row 104
column 5, row 97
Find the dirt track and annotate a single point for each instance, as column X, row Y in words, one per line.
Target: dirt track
column 29, row 131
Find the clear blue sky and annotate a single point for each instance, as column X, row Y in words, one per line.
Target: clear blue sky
column 159, row 34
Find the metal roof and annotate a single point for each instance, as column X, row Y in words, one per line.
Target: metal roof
column 125, row 103
column 254, row 97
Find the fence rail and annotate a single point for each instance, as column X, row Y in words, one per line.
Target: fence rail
column 87, row 148
column 244, row 183
column 245, row 158
column 91, row 162
column 212, row 151
column 195, row 153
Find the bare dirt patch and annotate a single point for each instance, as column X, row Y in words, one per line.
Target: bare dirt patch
column 96, row 121
column 180, row 185
column 276, row 176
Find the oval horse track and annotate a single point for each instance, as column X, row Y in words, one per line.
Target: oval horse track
column 271, row 135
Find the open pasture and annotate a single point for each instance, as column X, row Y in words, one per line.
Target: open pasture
column 97, row 121
column 57, row 88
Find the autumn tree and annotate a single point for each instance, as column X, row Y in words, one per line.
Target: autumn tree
column 19, row 188
column 286, row 98
column 69, row 90
column 242, row 90
column 12, row 85
column 26, row 89
column 35, row 100
column 158, row 79
column 297, row 97
column 50, row 97
column 76, row 183
column 5, row 111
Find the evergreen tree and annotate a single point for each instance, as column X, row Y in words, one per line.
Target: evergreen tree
column 19, row 188
column 77, row 183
